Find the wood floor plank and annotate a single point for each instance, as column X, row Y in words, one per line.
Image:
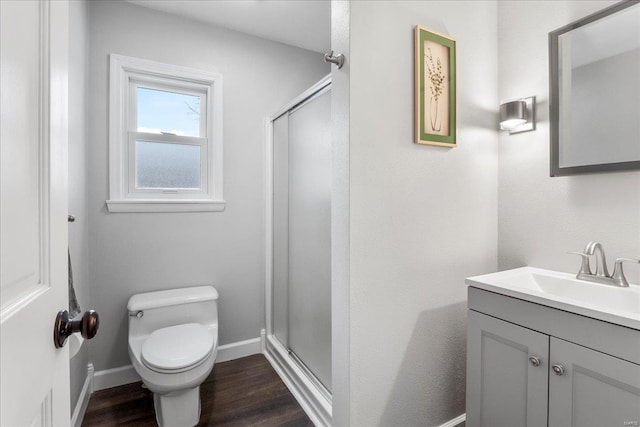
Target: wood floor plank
column 241, row 392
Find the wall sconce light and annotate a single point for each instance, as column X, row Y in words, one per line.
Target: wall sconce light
column 518, row 115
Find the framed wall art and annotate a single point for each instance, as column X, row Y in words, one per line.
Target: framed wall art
column 435, row 88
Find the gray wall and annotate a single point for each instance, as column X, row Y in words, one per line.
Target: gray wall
column 541, row 218
column 422, row 218
column 78, row 183
column 132, row 253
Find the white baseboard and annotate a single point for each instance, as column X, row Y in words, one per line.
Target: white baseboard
column 108, row 378
column 239, row 349
column 456, row 421
column 83, row 399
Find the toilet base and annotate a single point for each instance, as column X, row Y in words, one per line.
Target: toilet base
column 179, row 408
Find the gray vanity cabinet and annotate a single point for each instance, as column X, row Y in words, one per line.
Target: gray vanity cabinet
column 504, row 389
column 595, row 389
column 534, row 368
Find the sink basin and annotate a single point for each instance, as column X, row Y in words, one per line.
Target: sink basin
column 564, row 291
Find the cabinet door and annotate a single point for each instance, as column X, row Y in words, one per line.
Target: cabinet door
column 594, row 389
column 503, row 387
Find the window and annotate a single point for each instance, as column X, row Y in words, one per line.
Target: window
column 165, row 138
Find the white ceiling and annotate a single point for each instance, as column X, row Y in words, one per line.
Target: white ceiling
column 301, row 23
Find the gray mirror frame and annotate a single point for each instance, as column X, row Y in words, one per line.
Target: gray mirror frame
column 554, row 99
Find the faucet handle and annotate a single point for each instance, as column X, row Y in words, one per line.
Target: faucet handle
column 584, row 267
column 618, row 273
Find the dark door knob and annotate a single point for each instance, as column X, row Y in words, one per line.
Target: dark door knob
column 64, row 326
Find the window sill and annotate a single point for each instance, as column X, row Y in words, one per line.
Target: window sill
column 187, row 205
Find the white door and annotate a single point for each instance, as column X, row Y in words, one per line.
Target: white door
column 33, row 211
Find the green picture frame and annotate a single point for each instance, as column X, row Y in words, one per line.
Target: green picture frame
column 435, row 88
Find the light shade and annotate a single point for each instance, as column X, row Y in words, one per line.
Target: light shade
column 512, row 114
column 518, row 115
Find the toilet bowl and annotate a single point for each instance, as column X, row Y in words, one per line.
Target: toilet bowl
column 173, row 343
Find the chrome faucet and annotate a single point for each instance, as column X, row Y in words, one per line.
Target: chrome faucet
column 601, row 260
column 602, row 273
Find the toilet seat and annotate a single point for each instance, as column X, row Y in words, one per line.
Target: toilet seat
column 177, row 348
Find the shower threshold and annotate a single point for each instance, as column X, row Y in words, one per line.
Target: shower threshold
column 312, row 396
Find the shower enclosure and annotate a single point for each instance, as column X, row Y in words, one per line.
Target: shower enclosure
column 299, row 248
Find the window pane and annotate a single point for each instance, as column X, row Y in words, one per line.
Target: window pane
column 170, row 112
column 163, row 165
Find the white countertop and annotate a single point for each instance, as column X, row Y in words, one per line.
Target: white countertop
column 563, row 291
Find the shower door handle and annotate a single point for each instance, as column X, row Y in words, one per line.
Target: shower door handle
column 64, row 326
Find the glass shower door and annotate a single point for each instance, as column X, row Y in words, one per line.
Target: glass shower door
column 302, row 233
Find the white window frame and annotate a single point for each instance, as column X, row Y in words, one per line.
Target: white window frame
column 126, row 75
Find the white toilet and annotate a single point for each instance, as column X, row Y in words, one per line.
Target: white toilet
column 173, row 343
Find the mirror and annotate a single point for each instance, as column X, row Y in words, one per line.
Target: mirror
column 595, row 92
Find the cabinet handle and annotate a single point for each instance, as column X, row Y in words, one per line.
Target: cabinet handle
column 534, row 360
column 558, row 369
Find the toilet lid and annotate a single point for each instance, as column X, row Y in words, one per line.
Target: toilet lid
column 177, row 347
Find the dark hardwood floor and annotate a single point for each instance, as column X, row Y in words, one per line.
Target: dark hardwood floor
column 241, row 392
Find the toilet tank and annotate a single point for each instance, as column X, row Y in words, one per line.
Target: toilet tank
column 154, row 310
